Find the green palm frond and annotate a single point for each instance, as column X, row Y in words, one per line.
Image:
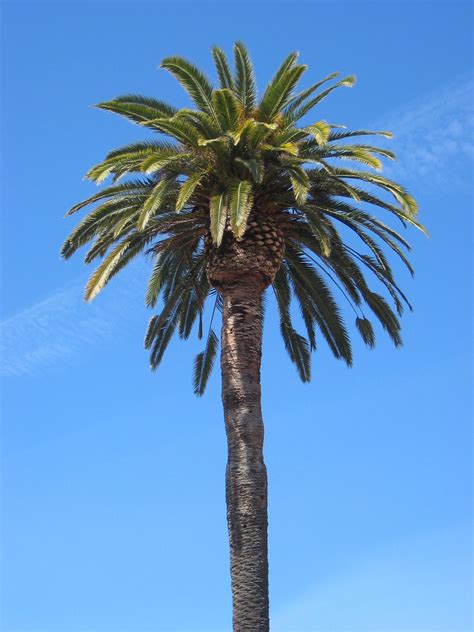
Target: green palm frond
column 187, row 189
column 300, row 98
column 204, row 124
column 218, row 216
column 280, row 88
column 142, row 148
column 222, row 67
column 240, row 203
column 320, row 132
column 193, row 81
column 308, row 284
column 366, row 331
column 176, row 128
column 204, row 362
column 227, row 108
column 296, row 345
column 298, row 113
column 102, row 217
column 102, row 274
column 350, row 133
column 134, row 161
column 254, row 166
column 384, row 313
column 153, row 202
column 300, row 183
column 405, row 200
column 138, row 108
column 245, row 88
column 157, row 277
column 131, row 188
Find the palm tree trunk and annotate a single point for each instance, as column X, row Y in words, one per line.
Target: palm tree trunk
column 246, row 477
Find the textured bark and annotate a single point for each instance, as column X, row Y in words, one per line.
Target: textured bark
column 258, row 253
column 246, row 477
column 241, row 270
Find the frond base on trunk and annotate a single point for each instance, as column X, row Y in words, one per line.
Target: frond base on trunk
column 258, row 254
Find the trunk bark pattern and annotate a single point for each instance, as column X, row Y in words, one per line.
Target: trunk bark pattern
column 246, row 477
column 241, row 270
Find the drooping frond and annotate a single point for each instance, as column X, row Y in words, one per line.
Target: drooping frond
column 126, row 189
column 188, row 188
column 311, row 290
column 204, row 361
column 295, row 344
column 153, row 202
column 366, row 331
column 138, row 108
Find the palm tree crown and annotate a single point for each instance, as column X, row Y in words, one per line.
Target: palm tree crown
column 237, row 173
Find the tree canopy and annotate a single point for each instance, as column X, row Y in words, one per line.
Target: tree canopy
column 217, row 166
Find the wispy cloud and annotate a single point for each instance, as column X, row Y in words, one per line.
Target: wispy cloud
column 59, row 327
column 433, row 141
column 434, row 137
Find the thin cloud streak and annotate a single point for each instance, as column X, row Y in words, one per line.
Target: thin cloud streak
column 434, row 138
column 58, row 328
column 433, row 141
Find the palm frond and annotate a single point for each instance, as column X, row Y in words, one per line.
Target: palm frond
column 254, row 166
column 298, row 99
column 192, row 79
column 280, row 88
column 218, row 215
column 240, row 203
column 222, row 67
column 227, row 108
column 126, row 189
column 245, row 88
column 176, row 128
column 153, row 202
column 325, row 310
column 204, row 361
column 298, row 113
column 296, row 345
column 138, row 108
column 187, row 189
column 366, row 331
column 361, row 132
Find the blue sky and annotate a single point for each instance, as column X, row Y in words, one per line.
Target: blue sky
column 113, row 477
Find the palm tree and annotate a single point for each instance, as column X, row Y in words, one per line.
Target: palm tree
column 235, row 196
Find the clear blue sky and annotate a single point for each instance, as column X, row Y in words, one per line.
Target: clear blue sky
column 113, row 477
